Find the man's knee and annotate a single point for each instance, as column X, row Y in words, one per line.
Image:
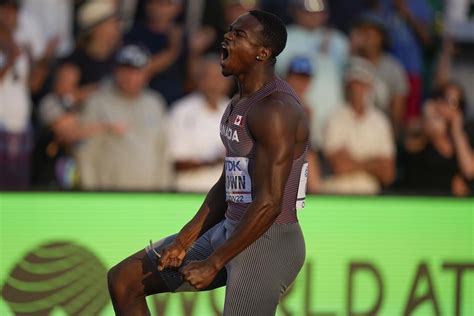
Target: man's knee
column 120, row 286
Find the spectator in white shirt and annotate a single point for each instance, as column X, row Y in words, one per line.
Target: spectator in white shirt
column 15, row 108
column 133, row 154
column 196, row 148
column 359, row 144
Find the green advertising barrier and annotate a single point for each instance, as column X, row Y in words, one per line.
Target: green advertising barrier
column 365, row 256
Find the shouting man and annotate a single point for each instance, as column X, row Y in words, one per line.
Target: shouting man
column 246, row 234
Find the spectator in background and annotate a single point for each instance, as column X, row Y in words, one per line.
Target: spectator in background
column 135, row 156
column 460, row 20
column 197, row 149
column 299, row 76
column 455, row 60
column 20, row 74
column 41, row 50
column 164, row 38
column 328, row 50
column 98, row 40
column 345, row 12
column 61, row 131
column 55, row 23
column 409, row 24
column 440, row 152
column 369, row 40
column 206, row 18
column 359, row 144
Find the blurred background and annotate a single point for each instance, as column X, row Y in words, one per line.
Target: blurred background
column 127, row 95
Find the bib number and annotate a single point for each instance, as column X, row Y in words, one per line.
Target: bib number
column 237, row 180
column 301, row 196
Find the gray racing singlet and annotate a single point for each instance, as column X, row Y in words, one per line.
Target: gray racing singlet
column 240, row 159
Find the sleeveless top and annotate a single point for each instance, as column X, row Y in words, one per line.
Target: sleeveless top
column 240, row 158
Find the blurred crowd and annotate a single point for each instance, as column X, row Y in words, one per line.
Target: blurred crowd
column 128, row 94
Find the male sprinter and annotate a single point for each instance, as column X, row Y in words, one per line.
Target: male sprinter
column 246, row 234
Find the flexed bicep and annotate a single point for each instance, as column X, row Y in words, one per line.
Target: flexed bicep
column 275, row 133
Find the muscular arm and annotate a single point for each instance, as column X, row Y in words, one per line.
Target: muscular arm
column 274, row 127
column 209, row 214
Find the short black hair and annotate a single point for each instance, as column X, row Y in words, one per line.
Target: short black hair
column 274, row 33
column 13, row 3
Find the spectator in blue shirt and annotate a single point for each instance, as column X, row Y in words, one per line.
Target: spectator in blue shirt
column 409, row 26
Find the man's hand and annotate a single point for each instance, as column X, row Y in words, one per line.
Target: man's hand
column 172, row 256
column 201, row 39
column 117, row 128
column 342, row 162
column 199, row 274
column 452, row 114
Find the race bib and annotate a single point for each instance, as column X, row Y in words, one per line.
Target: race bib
column 300, row 198
column 237, row 180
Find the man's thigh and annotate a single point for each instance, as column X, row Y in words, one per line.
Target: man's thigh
column 258, row 276
column 200, row 250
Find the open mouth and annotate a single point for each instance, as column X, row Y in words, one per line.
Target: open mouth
column 224, row 52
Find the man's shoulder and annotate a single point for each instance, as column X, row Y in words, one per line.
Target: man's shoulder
column 338, row 35
column 102, row 95
column 153, row 97
column 298, row 34
column 188, row 105
column 389, row 63
column 277, row 108
column 377, row 117
column 343, row 112
column 191, row 100
column 280, row 100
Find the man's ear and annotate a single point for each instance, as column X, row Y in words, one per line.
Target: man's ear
column 264, row 54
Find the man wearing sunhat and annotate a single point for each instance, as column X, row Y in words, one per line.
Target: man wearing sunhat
column 134, row 155
column 358, row 141
column 369, row 39
column 99, row 37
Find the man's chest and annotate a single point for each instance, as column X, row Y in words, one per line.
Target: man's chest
column 235, row 133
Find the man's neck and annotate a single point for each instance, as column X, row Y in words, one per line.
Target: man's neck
column 359, row 110
column 254, row 80
column 99, row 50
column 127, row 96
column 374, row 56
